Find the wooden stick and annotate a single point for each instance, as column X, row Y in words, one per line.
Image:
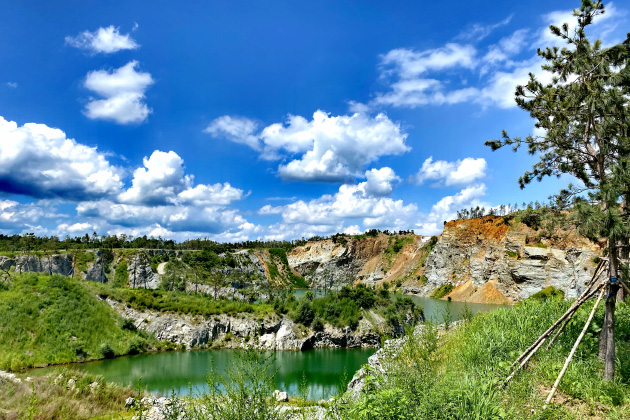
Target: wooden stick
column 543, row 338
column 585, row 295
column 566, row 321
column 575, row 346
column 625, row 287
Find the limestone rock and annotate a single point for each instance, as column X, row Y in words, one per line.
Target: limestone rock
column 280, row 396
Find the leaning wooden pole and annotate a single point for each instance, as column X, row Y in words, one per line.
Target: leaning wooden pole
column 575, row 346
column 585, row 295
column 541, row 340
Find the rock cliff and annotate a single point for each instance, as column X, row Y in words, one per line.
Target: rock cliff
column 485, row 260
column 271, row 332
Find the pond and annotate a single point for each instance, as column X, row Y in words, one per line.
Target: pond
column 324, row 369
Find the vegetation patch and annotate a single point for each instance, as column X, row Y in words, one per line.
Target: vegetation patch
column 548, row 292
column 442, row 291
column 51, row 320
column 461, row 371
column 178, row 302
column 68, row 394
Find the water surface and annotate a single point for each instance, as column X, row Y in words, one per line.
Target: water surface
column 324, row 369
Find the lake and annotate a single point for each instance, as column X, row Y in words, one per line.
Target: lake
column 324, row 369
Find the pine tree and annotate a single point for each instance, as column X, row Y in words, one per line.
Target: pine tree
column 584, row 114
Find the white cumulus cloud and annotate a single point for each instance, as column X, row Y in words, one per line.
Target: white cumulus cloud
column 40, row 161
column 326, row 148
column 460, row 172
column 103, row 40
column 123, row 92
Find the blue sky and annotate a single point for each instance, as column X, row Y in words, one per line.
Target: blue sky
column 275, row 120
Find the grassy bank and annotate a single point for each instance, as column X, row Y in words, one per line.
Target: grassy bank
column 177, row 302
column 52, row 320
column 70, row 395
column 458, row 376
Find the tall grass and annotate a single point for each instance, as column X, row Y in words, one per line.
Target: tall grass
column 51, row 320
column 460, row 378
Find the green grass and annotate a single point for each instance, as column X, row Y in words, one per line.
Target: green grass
column 396, row 245
column 51, row 320
column 548, row 292
column 177, row 302
column 442, row 291
column 48, row 397
column 458, row 376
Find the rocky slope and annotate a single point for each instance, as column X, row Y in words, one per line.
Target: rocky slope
column 272, row 332
column 370, row 260
column 486, row 260
column 490, row 261
column 144, row 268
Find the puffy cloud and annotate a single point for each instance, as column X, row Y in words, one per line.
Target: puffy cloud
column 236, row 129
column 446, row 208
column 76, row 228
column 380, row 182
column 159, row 181
column 439, row 76
column 12, row 85
column 123, row 91
column 459, row 172
column 408, row 64
column 162, row 182
column 40, row 161
column 103, row 40
column 332, row 148
column 18, row 217
column 364, row 202
column 175, row 218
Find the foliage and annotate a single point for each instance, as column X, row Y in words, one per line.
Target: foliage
column 52, row 320
column 178, row 302
column 398, row 244
column 458, row 376
column 442, row 291
column 48, row 397
column 548, row 292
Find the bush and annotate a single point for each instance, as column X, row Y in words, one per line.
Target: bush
column 318, row 325
column 107, row 352
column 305, row 313
column 442, row 291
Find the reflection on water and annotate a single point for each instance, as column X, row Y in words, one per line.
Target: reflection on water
column 324, row 369
column 161, row 372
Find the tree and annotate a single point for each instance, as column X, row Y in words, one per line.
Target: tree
column 584, row 114
column 175, row 275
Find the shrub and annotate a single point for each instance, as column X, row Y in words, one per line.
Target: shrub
column 318, row 324
column 107, row 352
column 442, row 291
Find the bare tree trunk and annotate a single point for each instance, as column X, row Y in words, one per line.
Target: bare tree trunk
column 624, row 251
column 607, row 335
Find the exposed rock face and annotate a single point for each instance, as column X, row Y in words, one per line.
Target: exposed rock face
column 269, row 333
column 327, row 263
column 53, row 264
column 140, row 273
column 488, row 262
column 96, row 272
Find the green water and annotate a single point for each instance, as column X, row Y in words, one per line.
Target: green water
column 161, row 372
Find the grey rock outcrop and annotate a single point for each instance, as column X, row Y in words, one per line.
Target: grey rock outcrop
column 53, row 264
column 269, row 333
column 481, row 267
column 140, row 274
